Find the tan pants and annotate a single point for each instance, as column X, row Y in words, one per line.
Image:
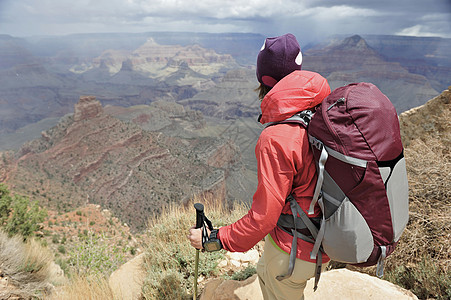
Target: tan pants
column 274, row 262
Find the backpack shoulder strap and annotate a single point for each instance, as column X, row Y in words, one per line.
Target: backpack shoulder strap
column 304, row 117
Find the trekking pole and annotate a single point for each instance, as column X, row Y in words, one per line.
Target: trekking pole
column 199, row 222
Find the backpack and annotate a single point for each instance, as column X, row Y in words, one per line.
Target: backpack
column 362, row 186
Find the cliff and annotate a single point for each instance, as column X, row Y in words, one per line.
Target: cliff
column 92, row 157
column 431, row 120
column 348, row 60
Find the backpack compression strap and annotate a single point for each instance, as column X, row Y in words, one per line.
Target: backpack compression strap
column 297, row 210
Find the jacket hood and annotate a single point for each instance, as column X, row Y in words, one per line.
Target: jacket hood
column 298, row 91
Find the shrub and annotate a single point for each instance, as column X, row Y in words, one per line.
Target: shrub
column 18, row 215
column 243, row 274
column 61, row 249
column 26, row 264
column 426, row 280
column 93, row 257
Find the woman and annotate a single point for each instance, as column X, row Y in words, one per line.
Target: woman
column 285, row 167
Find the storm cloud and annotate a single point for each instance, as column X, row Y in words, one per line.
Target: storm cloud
column 309, row 19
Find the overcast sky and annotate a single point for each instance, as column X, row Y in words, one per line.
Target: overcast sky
column 310, row 20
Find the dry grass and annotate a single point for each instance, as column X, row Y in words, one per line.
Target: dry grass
column 170, row 258
column 83, row 288
column 422, row 260
column 26, row 265
column 429, row 228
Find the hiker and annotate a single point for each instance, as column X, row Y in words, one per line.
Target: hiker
column 285, row 167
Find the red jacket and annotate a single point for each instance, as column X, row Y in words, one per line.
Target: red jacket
column 285, row 165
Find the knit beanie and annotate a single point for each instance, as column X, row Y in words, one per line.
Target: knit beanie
column 278, row 57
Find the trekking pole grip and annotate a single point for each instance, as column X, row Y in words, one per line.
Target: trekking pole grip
column 199, row 214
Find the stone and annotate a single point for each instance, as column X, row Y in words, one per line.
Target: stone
column 127, row 281
column 252, row 256
column 235, row 263
column 56, row 274
column 87, row 108
column 346, row 284
column 210, row 288
column 334, row 284
column 220, row 289
column 222, row 264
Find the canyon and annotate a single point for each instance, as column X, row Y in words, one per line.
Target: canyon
column 93, row 157
column 170, row 116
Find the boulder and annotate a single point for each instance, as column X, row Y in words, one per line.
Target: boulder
column 334, row 284
column 127, row 281
column 220, row 289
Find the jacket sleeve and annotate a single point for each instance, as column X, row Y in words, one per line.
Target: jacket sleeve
column 275, row 177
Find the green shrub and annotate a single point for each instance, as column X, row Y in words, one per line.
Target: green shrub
column 243, row 274
column 61, row 249
column 92, row 256
column 18, row 215
column 55, row 239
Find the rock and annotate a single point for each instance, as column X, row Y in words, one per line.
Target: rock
column 237, row 261
column 126, row 282
column 87, row 108
column 335, row 284
column 220, row 289
column 56, row 274
column 210, row 288
column 222, row 264
column 346, row 284
column 252, row 256
column 430, row 120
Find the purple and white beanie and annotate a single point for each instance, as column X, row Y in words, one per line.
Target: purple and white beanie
column 278, row 57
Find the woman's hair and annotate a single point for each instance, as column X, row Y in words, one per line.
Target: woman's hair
column 262, row 90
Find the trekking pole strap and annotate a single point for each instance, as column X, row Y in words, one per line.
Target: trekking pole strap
column 206, row 223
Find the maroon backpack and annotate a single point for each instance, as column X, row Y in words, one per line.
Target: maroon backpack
column 362, row 181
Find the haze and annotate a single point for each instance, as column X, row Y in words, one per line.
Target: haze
column 309, row 20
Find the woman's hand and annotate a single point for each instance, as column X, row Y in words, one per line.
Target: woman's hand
column 195, row 237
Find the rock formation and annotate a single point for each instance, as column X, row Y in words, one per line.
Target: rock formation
column 87, row 108
column 353, row 60
column 431, row 120
column 92, row 157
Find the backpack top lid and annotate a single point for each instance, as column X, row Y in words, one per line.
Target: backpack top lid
column 361, row 117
